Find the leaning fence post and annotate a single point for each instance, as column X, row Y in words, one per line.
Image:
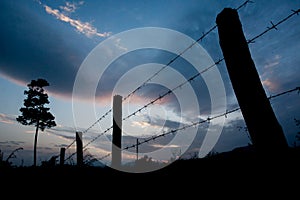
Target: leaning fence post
column 264, row 129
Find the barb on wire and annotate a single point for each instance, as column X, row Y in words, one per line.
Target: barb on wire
column 296, row 11
column 274, row 26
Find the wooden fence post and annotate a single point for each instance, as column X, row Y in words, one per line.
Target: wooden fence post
column 264, row 129
column 62, row 156
column 79, row 150
column 116, row 156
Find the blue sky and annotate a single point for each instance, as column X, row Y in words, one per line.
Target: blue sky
column 51, row 39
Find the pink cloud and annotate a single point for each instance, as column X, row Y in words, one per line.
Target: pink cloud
column 270, row 85
column 7, row 119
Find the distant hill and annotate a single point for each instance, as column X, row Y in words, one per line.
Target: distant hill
column 241, row 160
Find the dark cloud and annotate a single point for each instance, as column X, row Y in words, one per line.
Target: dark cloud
column 64, row 129
column 166, row 123
column 61, row 134
column 61, row 145
column 12, row 143
column 64, row 132
column 32, row 48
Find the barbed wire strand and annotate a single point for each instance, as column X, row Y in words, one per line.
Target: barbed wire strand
column 274, row 26
column 282, row 93
column 99, row 119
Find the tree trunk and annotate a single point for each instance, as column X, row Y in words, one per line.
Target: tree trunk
column 35, row 142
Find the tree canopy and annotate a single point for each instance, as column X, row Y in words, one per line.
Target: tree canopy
column 34, row 111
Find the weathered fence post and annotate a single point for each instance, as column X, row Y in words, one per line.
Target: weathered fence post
column 79, row 150
column 137, row 148
column 62, row 156
column 116, row 156
column 264, row 129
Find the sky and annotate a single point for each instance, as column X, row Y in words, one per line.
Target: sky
column 60, row 41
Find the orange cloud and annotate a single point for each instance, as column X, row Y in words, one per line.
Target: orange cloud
column 270, row 85
column 30, row 132
column 140, row 124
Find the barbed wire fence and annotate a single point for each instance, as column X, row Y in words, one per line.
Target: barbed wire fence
column 204, row 34
column 195, row 124
column 216, row 63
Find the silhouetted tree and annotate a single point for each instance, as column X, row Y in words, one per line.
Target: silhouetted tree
column 34, row 111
